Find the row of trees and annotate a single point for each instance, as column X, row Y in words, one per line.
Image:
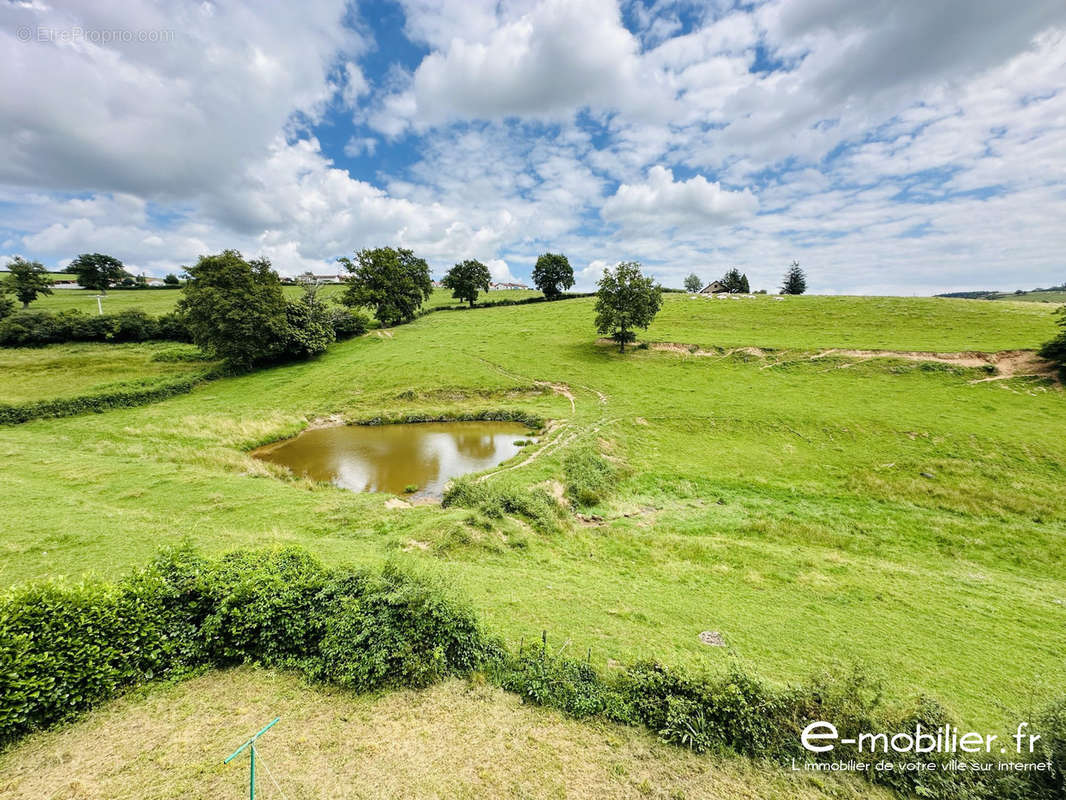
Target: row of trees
column 735, row 282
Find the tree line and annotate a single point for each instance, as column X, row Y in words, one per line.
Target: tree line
column 736, row 282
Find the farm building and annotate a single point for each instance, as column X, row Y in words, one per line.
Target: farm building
column 714, row 287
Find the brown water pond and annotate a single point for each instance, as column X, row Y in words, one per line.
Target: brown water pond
column 393, row 458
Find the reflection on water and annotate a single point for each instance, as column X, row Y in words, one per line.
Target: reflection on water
column 390, row 458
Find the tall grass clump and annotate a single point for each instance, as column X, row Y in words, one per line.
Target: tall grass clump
column 589, row 475
column 534, row 505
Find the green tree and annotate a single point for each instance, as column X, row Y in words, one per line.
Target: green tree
column 553, row 275
column 745, row 287
column 693, row 283
column 234, row 309
column 171, row 280
column 309, row 328
column 97, row 271
column 26, row 280
column 7, row 305
column 625, row 300
column 1055, row 350
column 393, row 282
column 795, row 280
column 465, row 279
column 733, row 281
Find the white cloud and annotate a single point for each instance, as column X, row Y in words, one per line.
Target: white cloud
column 664, row 203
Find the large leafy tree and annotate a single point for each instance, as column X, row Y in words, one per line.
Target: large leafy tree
column 626, row 299
column 97, row 271
column 465, row 279
column 795, row 280
column 393, row 282
column 234, row 309
column 26, row 280
column 553, row 275
column 693, row 283
column 1056, row 348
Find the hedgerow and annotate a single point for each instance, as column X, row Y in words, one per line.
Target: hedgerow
column 128, row 397
column 35, row 328
column 65, row 648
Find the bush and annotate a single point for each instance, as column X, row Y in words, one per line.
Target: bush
column 347, row 324
column 36, row 328
column 308, row 331
column 65, row 648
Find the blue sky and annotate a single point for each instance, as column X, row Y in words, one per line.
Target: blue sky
column 891, row 146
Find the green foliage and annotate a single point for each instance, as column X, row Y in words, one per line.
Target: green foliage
column 393, row 282
column 553, row 274
column 466, row 279
column 125, row 397
column 7, row 305
column 795, row 280
column 735, row 283
column 26, row 280
column 235, row 310
column 625, row 300
column 738, row 712
column 97, row 271
column 171, row 280
column 589, row 476
column 347, row 323
column 308, row 329
column 390, row 630
column 64, row 649
column 1055, row 349
column 35, row 328
column 693, row 283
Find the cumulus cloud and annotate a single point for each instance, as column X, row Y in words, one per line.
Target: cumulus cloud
column 663, row 202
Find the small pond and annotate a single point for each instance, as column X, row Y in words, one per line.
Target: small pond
column 392, row 458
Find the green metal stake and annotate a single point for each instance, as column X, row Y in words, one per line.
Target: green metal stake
column 251, row 764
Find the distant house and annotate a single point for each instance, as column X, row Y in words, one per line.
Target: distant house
column 149, row 281
column 329, row 278
column 65, row 283
column 505, row 286
column 714, row 287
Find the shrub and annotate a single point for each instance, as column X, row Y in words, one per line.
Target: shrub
column 35, row 328
column 65, row 648
column 308, row 330
column 347, row 324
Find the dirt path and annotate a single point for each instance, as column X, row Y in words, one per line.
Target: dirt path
column 1008, row 363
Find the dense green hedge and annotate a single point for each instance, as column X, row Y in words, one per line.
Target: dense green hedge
column 738, row 712
column 137, row 395
column 36, row 328
column 66, row 648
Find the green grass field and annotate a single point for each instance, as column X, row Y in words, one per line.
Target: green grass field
column 455, row 740
column 89, row 368
column 161, row 301
column 817, row 512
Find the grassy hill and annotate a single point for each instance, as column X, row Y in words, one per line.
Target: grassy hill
column 161, row 301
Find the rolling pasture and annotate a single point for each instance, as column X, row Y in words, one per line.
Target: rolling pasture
column 817, row 512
